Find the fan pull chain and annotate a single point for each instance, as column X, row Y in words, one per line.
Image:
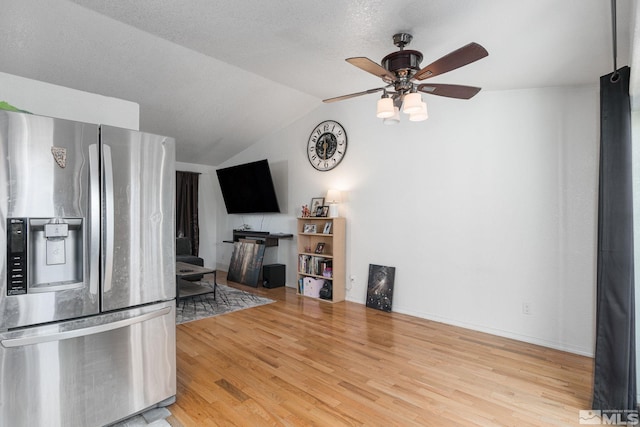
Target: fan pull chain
column 614, row 75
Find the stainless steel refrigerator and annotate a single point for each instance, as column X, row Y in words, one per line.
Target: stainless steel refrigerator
column 87, row 272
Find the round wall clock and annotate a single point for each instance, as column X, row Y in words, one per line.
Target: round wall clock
column 327, row 145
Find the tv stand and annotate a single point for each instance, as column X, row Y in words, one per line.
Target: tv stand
column 266, row 238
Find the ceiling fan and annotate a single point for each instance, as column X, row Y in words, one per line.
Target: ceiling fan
column 401, row 71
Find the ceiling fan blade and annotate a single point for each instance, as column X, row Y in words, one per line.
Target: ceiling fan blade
column 371, row 67
column 456, row 59
column 352, row 95
column 450, row 91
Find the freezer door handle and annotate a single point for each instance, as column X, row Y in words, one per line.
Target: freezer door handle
column 94, row 218
column 58, row 336
column 108, row 218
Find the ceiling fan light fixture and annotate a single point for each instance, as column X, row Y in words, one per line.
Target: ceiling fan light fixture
column 401, row 72
column 411, row 103
column 421, row 114
column 395, row 119
column 385, row 108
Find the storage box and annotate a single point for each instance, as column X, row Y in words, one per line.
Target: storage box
column 312, row 287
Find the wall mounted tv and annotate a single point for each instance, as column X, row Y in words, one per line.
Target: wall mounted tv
column 248, row 188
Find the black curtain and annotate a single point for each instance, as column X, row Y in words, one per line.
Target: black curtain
column 615, row 359
column 187, row 208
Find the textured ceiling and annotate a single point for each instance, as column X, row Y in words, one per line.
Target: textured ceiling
column 200, row 69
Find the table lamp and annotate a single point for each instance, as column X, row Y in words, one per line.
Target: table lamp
column 333, row 198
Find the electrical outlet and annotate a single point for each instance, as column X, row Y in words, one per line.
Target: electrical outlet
column 527, row 308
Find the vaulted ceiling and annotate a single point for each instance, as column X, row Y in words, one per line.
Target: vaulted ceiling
column 220, row 75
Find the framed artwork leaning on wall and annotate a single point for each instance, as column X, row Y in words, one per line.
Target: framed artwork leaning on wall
column 380, row 287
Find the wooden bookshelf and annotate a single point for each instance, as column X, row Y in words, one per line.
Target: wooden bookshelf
column 313, row 267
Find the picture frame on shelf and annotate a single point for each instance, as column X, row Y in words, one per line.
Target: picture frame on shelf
column 327, row 227
column 309, row 228
column 324, row 212
column 320, row 247
column 316, row 202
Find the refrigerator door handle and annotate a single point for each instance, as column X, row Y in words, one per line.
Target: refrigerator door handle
column 108, row 218
column 58, row 336
column 94, row 218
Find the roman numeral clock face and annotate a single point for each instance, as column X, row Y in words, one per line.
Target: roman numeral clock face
column 327, row 145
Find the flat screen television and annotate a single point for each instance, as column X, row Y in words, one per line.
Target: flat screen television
column 248, row 188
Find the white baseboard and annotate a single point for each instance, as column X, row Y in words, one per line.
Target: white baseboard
column 498, row 332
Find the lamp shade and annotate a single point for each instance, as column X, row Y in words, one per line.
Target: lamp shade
column 411, row 103
column 420, row 115
column 385, row 108
column 333, row 196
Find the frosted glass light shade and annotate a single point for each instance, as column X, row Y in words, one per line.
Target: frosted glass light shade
column 420, row 115
column 385, row 108
column 411, row 103
column 395, row 119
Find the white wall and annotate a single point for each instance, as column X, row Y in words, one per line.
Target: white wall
column 487, row 205
column 46, row 99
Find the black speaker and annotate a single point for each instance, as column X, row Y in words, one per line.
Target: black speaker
column 273, row 275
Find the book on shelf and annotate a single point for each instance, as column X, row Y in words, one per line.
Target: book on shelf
column 315, row 265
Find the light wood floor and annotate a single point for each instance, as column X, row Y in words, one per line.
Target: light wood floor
column 300, row 362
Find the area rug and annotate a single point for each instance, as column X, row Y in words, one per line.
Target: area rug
column 228, row 299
